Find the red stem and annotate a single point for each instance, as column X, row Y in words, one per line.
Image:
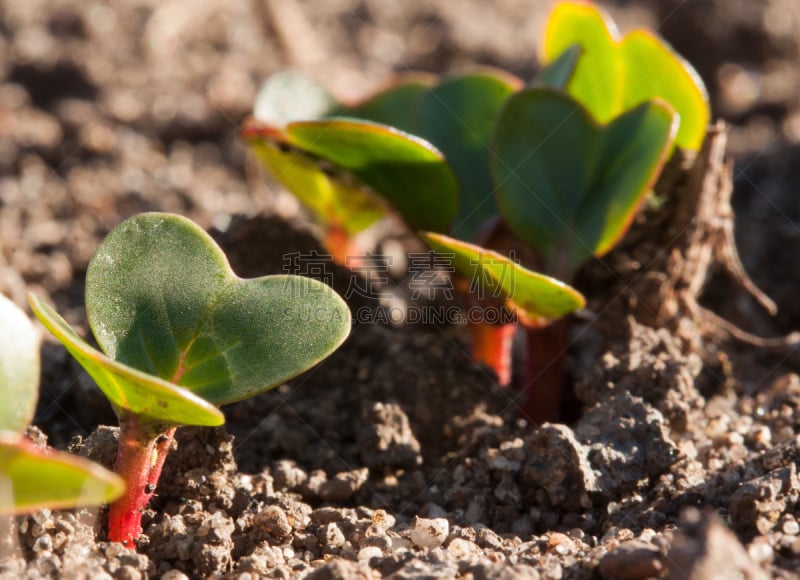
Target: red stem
column 140, row 458
column 343, row 247
column 492, row 346
column 545, row 368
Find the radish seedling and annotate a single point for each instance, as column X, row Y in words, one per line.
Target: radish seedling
column 181, row 334
column 555, row 171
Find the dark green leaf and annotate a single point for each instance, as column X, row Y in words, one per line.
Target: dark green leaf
column 161, row 297
column 558, row 73
column 458, row 116
column 396, row 106
column 569, row 186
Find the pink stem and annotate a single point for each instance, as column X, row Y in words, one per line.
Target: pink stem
column 140, row 457
column 492, row 346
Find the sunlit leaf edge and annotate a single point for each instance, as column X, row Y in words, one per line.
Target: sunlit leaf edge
column 425, row 152
column 327, row 211
column 574, row 300
column 208, row 415
column 253, row 130
column 16, row 443
column 367, row 126
column 590, row 9
column 666, row 150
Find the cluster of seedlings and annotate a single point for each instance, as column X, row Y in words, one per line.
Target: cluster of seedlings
column 482, row 165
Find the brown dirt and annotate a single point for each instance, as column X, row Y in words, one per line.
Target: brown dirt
column 397, row 456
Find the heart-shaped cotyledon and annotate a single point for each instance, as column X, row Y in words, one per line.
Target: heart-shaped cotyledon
column 569, row 185
column 168, row 312
column 615, row 73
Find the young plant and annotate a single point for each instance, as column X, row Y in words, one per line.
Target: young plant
column 615, row 74
column 33, row 478
column 181, row 334
column 380, row 166
column 554, row 171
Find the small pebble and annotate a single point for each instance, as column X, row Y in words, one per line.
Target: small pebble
column 576, row 533
column 461, row 549
column 632, row 560
column 762, row 435
column 760, row 551
column 343, row 485
column 273, row 520
column 366, row 554
column 795, row 546
column 174, row 575
column 429, row 533
column 382, row 520
column 332, row 536
column 791, row 527
column 43, row 544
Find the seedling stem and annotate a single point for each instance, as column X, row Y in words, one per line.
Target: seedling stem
column 142, row 450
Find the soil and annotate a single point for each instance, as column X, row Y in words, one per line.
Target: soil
column 397, row 456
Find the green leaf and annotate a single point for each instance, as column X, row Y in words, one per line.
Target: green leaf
column 288, row 96
column 571, row 187
column 161, row 297
column 457, row 116
column 33, row 478
column 407, row 171
column 396, row 105
column 538, row 298
column 335, row 199
column 19, row 367
column 614, row 75
column 558, row 73
column 154, row 399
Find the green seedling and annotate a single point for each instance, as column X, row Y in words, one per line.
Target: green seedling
column 33, row 478
column 548, row 170
column 180, row 335
column 378, row 169
column 615, row 74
